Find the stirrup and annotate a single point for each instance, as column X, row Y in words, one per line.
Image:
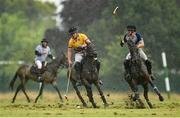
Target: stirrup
column 40, row 79
column 100, row 82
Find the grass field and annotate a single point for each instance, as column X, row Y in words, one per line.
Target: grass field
column 49, row 105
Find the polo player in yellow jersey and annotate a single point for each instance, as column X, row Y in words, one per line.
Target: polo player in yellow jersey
column 78, row 42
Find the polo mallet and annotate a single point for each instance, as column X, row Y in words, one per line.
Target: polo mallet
column 116, row 8
column 114, row 12
column 67, row 88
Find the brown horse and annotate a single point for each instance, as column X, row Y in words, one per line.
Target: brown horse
column 89, row 76
column 49, row 77
column 137, row 74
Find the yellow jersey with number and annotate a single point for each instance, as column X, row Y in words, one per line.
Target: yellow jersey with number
column 80, row 41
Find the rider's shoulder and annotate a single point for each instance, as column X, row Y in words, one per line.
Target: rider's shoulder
column 38, row 46
column 70, row 40
column 48, row 47
column 82, row 35
column 138, row 34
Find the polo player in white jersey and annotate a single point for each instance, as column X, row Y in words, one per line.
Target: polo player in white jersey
column 42, row 52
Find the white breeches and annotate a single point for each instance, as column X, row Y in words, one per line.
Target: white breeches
column 142, row 55
column 78, row 57
column 38, row 64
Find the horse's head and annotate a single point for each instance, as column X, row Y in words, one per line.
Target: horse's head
column 90, row 51
column 89, row 61
column 61, row 60
column 133, row 49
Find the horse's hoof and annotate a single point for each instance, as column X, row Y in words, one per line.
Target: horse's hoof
column 161, row 98
column 106, row 105
column 85, row 106
column 12, row 101
column 134, row 98
column 96, row 107
column 150, row 106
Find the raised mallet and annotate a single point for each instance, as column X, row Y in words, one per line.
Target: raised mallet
column 114, row 12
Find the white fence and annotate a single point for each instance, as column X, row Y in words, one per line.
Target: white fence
column 11, row 62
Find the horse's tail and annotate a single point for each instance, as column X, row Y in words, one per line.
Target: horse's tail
column 11, row 85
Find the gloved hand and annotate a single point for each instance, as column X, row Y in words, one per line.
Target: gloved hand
column 53, row 58
column 82, row 47
column 121, row 43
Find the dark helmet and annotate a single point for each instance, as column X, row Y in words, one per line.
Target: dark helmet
column 44, row 40
column 72, row 30
column 131, row 27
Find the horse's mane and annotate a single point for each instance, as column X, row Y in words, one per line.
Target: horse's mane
column 133, row 49
column 91, row 51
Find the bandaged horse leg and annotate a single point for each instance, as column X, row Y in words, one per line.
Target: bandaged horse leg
column 89, row 92
column 17, row 90
column 54, row 84
column 134, row 88
column 78, row 93
column 90, row 95
column 101, row 94
column 23, row 89
column 145, row 86
column 156, row 90
column 40, row 92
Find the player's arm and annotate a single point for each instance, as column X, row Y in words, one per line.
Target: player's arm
column 141, row 43
column 37, row 53
column 69, row 53
column 123, row 41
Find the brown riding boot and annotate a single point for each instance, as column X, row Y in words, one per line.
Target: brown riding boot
column 149, row 68
column 39, row 75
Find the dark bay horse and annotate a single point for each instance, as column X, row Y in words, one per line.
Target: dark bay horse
column 89, row 76
column 137, row 74
column 49, row 77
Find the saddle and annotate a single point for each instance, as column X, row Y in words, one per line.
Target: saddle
column 34, row 70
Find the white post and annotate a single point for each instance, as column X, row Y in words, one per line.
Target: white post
column 166, row 74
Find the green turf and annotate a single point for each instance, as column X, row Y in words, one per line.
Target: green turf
column 52, row 107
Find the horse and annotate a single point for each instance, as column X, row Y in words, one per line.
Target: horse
column 89, row 76
column 136, row 73
column 49, row 77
